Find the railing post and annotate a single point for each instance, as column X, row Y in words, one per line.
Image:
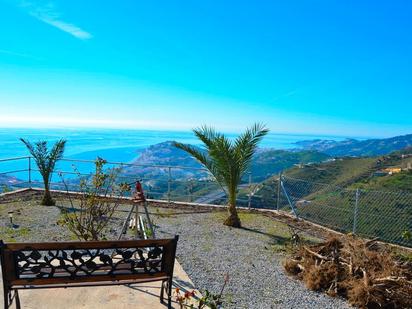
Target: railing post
column 249, row 203
column 278, row 193
column 190, row 190
column 355, row 212
column 169, row 182
column 290, row 201
column 29, row 172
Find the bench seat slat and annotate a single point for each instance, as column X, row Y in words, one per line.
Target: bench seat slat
column 98, row 278
column 86, row 284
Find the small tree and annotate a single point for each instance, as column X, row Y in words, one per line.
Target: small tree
column 89, row 219
column 227, row 160
column 46, row 161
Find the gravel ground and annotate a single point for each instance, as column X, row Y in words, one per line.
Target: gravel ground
column 36, row 223
column 252, row 256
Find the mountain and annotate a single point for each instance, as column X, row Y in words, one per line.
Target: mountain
column 191, row 177
column 357, row 148
column 265, row 163
column 7, row 182
column 325, row 193
column 119, row 154
column 389, row 172
column 148, row 165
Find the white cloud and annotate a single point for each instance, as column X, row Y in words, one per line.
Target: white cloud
column 17, row 54
column 47, row 13
column 69, row 28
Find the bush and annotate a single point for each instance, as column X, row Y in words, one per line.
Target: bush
column 89, row 220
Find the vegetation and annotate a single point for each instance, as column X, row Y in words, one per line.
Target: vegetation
column 352, row 172
column 227, row 160
column 368, row 274
column 208, row 300
column 95, row 206
column 269, row 162
column 5, row 189
column 397, row 182
column 325, row 193
column 46, row 161
column 9, row 234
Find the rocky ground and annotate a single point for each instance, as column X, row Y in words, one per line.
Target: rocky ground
column 251, row 256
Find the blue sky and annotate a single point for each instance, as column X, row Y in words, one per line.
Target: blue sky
column 321, row 67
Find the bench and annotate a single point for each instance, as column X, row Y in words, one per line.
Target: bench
column 85, row 264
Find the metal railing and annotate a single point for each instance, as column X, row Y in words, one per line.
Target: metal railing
column 171, row 183
column 374, row 214
column 369, row 213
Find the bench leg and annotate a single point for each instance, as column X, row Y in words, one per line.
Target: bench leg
column 162, row 289
column 7, row 297
column 17, row 299
column 169, row 294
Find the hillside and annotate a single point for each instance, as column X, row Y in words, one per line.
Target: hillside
column 269, row 161
column 353, row 147
column 164, row 154
column 7, row 182
column 265, row 163
column 340, row 172
column 325, row 193
column 365, row 173
column 348, row 172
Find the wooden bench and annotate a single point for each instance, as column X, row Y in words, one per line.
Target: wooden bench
column 84, row 264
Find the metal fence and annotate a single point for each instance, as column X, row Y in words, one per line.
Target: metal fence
column 386, row 215
column 172, row 183
column 373, row 214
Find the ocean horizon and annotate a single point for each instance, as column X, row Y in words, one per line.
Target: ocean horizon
column 113, row 145
column 124, row 145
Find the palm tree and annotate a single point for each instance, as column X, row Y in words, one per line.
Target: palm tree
column 46, row 161
column 227, row 160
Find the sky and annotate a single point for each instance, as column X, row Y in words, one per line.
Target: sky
column 313, row 67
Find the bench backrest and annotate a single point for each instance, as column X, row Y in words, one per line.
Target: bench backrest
column 94, row 261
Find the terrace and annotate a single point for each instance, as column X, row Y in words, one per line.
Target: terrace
column 252, row 256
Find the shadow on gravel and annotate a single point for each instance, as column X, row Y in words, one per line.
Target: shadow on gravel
column 278, row 240
column 174, row 214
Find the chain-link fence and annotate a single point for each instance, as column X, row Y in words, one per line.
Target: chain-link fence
column 373, row 214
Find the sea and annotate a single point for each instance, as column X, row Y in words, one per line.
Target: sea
column 113, row 144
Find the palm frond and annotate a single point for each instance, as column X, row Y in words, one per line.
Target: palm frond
column 55, row 154
column 202, row 158
column 207, row 135
column 218, row 148
column 39, row 153
column 246, row 145
column 196, row 153
column 45, row 159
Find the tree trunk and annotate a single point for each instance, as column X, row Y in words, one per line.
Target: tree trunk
column 233, row 219
column 47, row 198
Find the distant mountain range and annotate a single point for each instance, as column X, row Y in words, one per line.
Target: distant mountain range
column 7, row 182
column 353, row 147
column 265, row 163
column 164, row 154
